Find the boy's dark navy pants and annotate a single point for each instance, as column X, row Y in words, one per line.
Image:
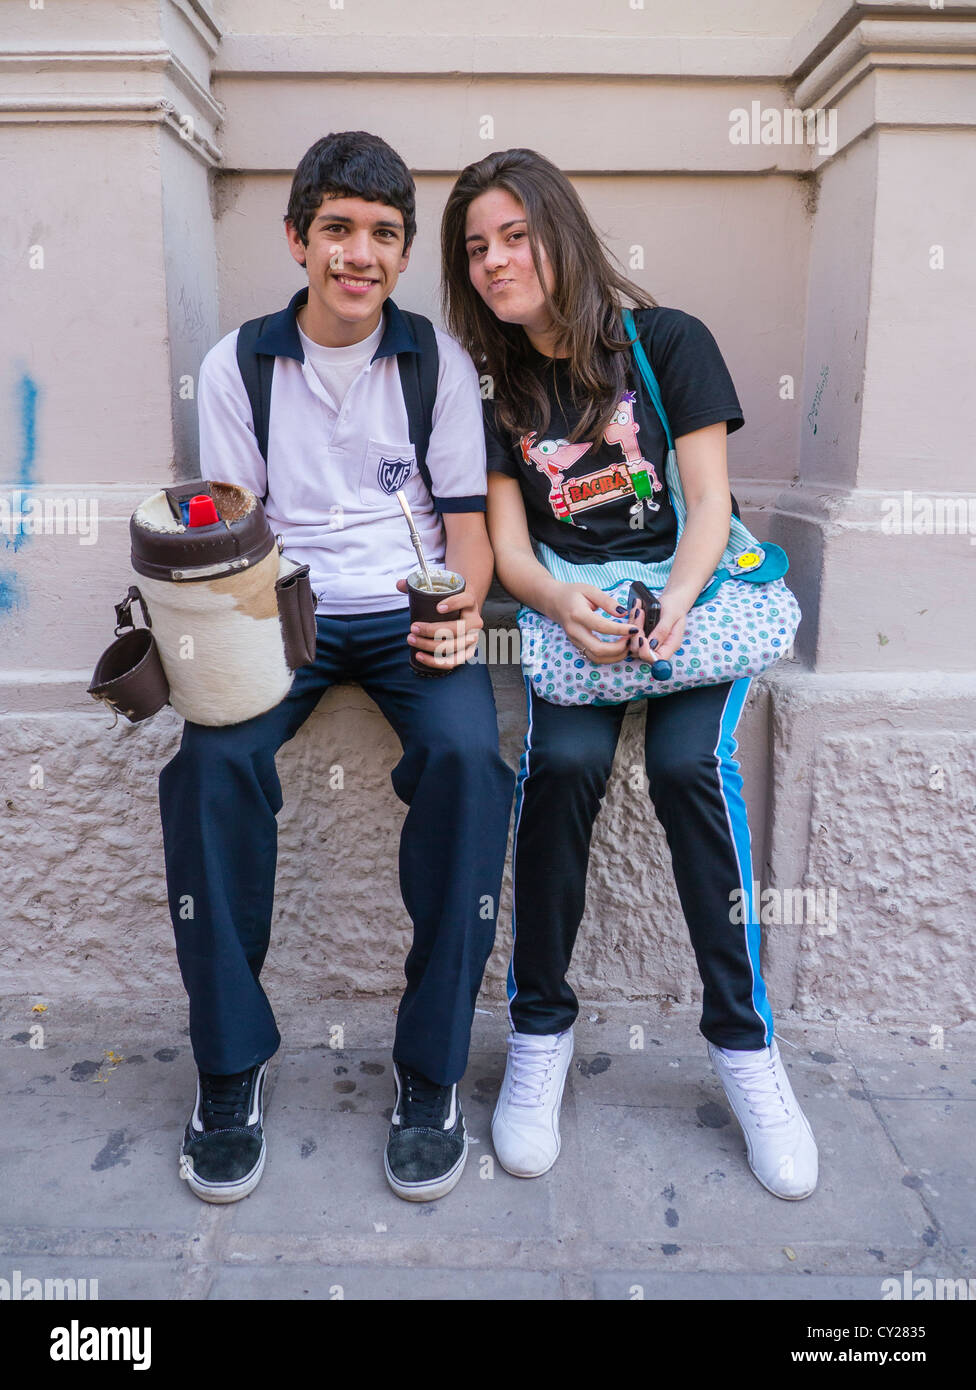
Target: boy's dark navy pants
column 219, row 797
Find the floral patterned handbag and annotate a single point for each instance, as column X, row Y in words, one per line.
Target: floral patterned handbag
column 743, row 620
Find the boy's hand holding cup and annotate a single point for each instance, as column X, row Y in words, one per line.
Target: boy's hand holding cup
column 439, row 641
column 444, row 621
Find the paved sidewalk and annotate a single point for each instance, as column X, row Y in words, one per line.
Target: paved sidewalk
column 651, row 1195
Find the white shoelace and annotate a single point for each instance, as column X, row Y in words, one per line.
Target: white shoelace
column 757, row 1080
column 531, row 1071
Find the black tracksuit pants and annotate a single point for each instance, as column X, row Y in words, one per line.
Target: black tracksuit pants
column 696, row 790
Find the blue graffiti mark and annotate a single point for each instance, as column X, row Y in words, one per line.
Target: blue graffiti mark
column 9, row 591
column 26, row 392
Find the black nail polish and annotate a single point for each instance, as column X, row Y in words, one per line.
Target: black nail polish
column 653, row 644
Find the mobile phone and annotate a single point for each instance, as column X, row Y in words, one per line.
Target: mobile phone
column 642, row 605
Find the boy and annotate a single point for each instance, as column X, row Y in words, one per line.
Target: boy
column 338, row 447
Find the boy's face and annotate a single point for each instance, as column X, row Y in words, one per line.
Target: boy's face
column 354, row 258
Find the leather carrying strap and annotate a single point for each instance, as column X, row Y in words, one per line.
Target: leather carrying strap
column 418, row 382
column 123, row 610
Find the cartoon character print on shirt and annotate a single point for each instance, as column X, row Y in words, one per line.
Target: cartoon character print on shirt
column 554, row 457
column 622, row 430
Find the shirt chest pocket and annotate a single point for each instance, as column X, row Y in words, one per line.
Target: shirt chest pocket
column 386, row 469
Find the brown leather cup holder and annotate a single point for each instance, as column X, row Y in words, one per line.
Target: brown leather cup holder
column 129, row 675
column 296, row 611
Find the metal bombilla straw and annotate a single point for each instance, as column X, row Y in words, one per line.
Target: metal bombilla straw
column 415, row 538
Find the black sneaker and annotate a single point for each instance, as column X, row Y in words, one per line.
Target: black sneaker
column 428, row 1143
column 223, row 1150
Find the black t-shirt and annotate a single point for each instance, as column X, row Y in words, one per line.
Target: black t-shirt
column 592, row 503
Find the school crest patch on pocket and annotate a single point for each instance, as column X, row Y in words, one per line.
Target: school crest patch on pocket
column 393, row 473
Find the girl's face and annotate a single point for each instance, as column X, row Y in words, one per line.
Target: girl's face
column 500, row 261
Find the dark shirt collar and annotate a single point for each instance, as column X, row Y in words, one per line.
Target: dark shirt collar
column 280, row 335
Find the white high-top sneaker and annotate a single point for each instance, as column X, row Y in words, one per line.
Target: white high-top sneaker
column 525, row 1125
column 782, row 1149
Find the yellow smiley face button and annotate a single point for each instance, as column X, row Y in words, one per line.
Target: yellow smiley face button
column 748, row 560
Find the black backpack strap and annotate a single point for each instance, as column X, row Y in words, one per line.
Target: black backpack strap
column 257, row 370
column 418, row 381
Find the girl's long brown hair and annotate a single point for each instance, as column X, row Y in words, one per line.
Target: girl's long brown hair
column 585, row 304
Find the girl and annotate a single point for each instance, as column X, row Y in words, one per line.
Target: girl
column 576, row 476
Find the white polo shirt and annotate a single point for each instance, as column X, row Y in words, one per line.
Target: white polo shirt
column 332, row 474
column 337, row 368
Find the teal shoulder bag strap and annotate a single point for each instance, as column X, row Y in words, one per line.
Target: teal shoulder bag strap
column 744, row 557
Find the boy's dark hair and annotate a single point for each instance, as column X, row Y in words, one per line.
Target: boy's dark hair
column 351, row 164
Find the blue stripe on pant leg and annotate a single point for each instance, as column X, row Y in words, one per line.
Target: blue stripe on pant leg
column 523, row 772
column 730, row 782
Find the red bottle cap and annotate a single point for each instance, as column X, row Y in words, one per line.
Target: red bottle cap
column 202, row 511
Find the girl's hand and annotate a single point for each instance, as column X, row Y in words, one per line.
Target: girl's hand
column 667, row 634
column 575, row 610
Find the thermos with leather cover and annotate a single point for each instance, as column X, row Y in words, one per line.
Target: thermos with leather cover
column 229, row 618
